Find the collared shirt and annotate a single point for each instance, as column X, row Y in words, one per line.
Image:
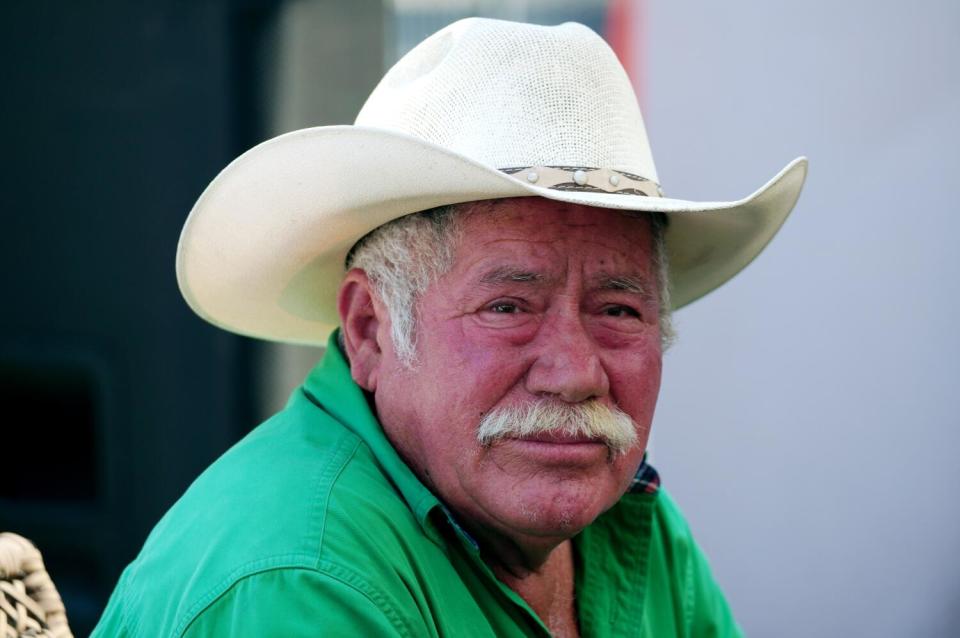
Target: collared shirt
column 313, row 525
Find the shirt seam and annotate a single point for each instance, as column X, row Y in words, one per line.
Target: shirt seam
column 244, row 571
column 356, row 582
column 325, row 569
column 335, row 471
column 688, row 597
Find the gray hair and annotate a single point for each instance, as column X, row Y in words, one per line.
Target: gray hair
column 403, row 257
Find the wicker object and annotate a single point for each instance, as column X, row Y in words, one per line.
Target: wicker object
column 29, row 602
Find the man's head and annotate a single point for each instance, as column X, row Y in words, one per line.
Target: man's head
column 538, row 355
column 476, row 111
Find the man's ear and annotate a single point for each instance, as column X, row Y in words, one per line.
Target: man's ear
column 361, row 316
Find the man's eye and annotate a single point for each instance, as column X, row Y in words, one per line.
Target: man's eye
column 506, row 313
column 504, row 308
column 620, row 311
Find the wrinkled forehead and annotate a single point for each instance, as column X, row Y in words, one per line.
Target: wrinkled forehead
column 538, row 219
column 543, row 209
column 537, row 231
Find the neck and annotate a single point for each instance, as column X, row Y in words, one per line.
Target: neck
column 549, row 590
column 541, row 571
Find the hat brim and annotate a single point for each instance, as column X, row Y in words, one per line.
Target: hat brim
column 262, row 252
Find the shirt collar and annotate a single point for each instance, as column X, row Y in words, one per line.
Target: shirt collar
column 646, row 480
column 330, row 387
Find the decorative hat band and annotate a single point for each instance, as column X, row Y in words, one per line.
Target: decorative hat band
column 581, row 178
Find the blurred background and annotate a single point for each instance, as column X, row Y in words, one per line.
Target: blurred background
column 808, row 423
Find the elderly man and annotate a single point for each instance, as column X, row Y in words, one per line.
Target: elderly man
column 468, row 459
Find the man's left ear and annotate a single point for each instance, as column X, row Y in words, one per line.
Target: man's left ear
column 360, row 320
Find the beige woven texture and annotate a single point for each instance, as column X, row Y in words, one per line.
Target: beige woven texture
column 29, row 602
column 533, row 96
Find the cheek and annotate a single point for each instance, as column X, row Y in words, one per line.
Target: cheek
column 475, row 373
column 635, row 384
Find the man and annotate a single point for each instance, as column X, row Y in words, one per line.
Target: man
column 468, row 457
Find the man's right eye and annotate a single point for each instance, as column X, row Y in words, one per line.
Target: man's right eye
column 507, row 314
column 504, row 308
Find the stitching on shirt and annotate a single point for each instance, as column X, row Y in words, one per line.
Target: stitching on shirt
column 335, row 471
column 252, row 568
column 643, row 535
column 349, row 579
column 688, row 595
column 356, row 582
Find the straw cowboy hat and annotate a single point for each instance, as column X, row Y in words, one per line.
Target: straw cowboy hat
column 482, row 109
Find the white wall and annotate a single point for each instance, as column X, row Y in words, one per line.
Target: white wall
column 808, row 423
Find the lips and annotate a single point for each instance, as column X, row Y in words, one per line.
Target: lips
column 560, row 450
column 559, row 437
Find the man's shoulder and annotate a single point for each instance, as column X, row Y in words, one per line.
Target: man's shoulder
column 297, row 495
column 682, row 586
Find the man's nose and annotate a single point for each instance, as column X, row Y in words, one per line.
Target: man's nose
column 567, row 364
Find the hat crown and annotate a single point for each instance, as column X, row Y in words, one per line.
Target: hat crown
column 509, row 94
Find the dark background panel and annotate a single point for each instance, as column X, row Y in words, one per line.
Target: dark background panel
column 115, row 396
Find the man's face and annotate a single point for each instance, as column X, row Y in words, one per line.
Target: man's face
column 545, row 302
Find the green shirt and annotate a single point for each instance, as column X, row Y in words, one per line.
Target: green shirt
column 312, row 525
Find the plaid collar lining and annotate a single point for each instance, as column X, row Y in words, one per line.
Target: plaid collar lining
column 646, row 480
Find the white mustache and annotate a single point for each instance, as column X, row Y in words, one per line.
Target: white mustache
column 593, row 420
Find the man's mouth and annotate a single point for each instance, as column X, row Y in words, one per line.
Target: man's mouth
column 560, row 437
column 559, row 449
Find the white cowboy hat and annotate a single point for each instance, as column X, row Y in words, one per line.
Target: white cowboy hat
column 482, row 109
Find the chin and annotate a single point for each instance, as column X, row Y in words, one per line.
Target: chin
column 563, row 512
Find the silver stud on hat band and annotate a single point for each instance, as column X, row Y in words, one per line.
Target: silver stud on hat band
column 582, row 178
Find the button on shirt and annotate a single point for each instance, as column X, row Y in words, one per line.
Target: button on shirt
column 313, row 525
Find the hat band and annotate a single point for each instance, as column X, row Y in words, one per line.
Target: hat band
column 582, row 178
